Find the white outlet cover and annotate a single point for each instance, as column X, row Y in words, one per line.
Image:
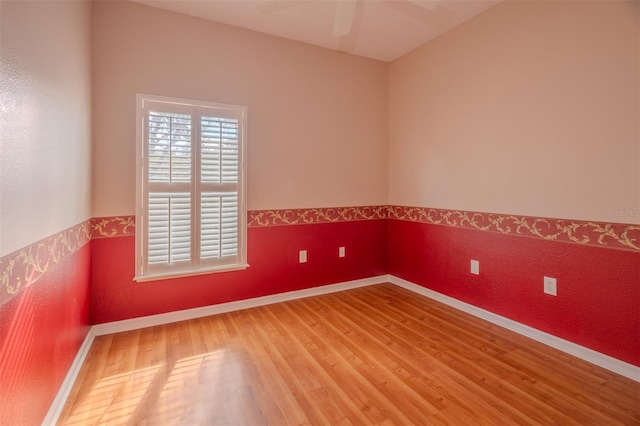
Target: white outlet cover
column 302, row 256
column 475, row 267
column 341, row 252
column 551, row 286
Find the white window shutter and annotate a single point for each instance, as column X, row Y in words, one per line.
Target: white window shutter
column 191, row 188
column 169, row 227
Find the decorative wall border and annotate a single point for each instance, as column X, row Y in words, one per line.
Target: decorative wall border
column 617, row 236
column 20, row 269
column 114, row 226
column 260, row 218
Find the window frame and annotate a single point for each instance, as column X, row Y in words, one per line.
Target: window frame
column 196, row 107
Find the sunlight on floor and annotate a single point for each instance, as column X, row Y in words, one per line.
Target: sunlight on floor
column 103, row 405
column 197, row 389
column 163, row 395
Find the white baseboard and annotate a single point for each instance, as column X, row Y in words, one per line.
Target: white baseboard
column 612, row 364
column 152, row 320
column 65, row 389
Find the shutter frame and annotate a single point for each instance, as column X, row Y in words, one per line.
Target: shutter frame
column 163, row 249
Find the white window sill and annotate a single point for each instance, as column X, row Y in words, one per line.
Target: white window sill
column 190, row 273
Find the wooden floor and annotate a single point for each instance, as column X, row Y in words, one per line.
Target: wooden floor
column 373, row 355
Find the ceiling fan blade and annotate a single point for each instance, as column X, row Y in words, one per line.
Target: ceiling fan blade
column 344, row 17
column 427, row 4
column 438, row 17
column 274, row 6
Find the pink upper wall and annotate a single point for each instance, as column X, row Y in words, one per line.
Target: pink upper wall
column 317, row 118
column 530, row 108
column 45, row 130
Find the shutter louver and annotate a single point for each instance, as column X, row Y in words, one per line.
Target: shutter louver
column 229, row 240
column 210, row 228
column 169, row 168
column 169, row 227
column 219, row 232
column 219, row 139
column 219, row 169
column 169, row 147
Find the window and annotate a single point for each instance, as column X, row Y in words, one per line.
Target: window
column 191, row 207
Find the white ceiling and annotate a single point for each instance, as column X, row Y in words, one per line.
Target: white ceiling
column 381, row 29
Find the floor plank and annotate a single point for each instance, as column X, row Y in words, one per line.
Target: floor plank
column 373, row 355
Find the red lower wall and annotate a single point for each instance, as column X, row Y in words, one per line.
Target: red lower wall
column 43, row 326
column 41, row 331
column 274, row 268
column 598, row 301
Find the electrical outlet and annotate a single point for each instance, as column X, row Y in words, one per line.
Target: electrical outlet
column 341, row 252
column 475, row 267
column 302, row 256
column 550, row 286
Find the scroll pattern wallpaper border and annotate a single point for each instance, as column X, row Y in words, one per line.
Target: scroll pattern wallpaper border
column 108, row 227
column 22, row 268
column 258, row 218
column 605, row 235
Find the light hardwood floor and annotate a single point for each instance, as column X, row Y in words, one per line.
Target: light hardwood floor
column 373, row 355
